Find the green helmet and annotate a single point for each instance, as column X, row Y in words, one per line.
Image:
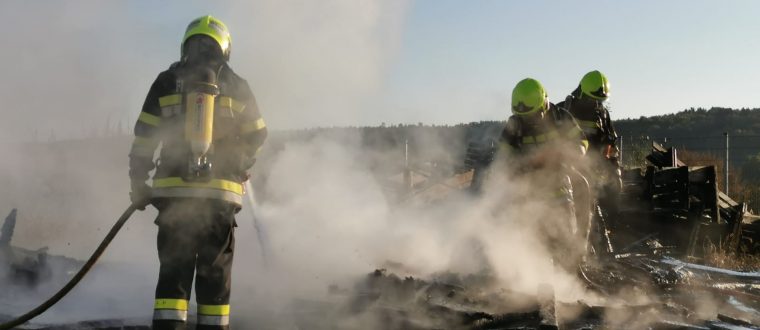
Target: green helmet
column 212, row 27
column 528, row 97
column 595, row 85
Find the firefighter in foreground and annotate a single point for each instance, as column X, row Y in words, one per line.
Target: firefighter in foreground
column 206, row 120
column 539, row 143
column 586, row 104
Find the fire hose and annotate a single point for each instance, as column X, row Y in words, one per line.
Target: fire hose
column 79, row 275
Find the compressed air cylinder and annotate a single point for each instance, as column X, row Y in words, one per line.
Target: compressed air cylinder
column 199, row 113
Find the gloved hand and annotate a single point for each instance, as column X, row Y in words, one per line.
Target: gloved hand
column 140, row 194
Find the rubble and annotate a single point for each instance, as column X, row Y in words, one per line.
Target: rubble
column 21, row 266
column 653, row 242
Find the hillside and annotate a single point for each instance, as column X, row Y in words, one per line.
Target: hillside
column 699, row 130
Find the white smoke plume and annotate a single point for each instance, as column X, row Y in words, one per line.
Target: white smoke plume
column 75, row 65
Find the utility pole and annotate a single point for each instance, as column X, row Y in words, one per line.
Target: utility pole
column 621, row 152
column 407, row 170
column 725, row 165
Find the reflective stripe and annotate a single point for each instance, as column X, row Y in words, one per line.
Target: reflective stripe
column 214, row 319
column 170, row 314
column 149, row 119
column 144, row 141
column 588, row 124
column 575, row 132
column 198, row 193
column 590, row 131
column 170, row 105
column 214, row 309
column 253, row 126
column 168, row 100
column 180, row 304
column 228, row 102
column 226, row 185
column 170, row 309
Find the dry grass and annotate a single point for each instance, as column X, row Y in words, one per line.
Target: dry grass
column 722, row 256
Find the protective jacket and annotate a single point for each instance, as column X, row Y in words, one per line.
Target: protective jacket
column 594, row 118
column 238, row 132
column 520, row 135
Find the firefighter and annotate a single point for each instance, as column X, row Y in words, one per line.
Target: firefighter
column 207, row 122
column 540, row 142
column 587, row 104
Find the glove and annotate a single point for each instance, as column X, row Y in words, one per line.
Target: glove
column 140, row 194
column 245, row 165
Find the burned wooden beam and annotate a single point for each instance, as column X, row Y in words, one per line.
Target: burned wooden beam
column 6, row 232
column 547, row 308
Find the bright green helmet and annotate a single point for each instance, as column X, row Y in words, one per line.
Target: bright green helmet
column 212, row 27
column 595, row 85
column 528, row 97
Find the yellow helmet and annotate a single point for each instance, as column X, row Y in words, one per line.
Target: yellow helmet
column 212, row 27
column 528, row 97
column 595, row 85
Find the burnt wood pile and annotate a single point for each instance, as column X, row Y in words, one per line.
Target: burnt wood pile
column 682, row 206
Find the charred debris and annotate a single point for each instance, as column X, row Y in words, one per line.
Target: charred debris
column 658, row 241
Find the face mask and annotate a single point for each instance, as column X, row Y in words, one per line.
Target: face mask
column 202, row 50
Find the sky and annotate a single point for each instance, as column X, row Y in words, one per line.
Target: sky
column 73, row 68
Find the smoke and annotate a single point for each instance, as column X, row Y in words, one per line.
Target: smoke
column 330, row 221
column 317, row 63
column 75, row 76
column 77, row 70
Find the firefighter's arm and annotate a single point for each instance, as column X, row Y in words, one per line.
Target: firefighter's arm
column 146, row 136
column 253, row 129
column 144, row 145
column 510, row 140
column 575, row 133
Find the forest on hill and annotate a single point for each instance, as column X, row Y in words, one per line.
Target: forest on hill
column 701, row 131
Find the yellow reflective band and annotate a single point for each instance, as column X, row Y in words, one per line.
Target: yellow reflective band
column 178, row 304
column 253, row 126
column 214, row 309
column 168, row 100
column 575, row 132
column 149, row 119
column 588, row 124
column 225, row 185
column 584, row 142
column 228, row 102
column 144, row 142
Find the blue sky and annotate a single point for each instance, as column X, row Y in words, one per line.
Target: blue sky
column 365, row 62
column 661, row 56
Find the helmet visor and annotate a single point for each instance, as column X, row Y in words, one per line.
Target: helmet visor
column 600, row 94
column 201, row 48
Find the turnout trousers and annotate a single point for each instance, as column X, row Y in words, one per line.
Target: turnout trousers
column 195, row 238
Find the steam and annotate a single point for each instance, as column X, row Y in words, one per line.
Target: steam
column 76, row 74
column 317, row 63
column 327, row 217
column 329, row 222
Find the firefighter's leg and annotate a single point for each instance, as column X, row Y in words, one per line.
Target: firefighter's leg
column 568, row 251
column 613, row 188
column 583, row 204
column 213, row 279
column 176, row 253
